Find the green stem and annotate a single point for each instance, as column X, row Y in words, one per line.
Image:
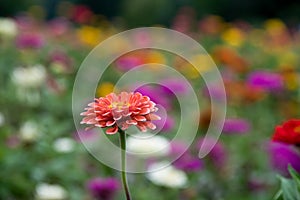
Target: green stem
column 123, row 163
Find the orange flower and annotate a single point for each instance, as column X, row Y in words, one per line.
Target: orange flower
column 231, row 59
column 123, row 110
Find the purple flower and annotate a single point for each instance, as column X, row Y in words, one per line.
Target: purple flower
column 29, row 41
column 103, row 189
column 265, row 80
column 61, row 62
column 59, row 26
column 85, row 135
column 128, row 63
column 218, row 154
column 186, row 161
column 174, row 86
column 239, row 126
column 166, row 123
column 215, row 92
column 155, row 95
column 281, row 155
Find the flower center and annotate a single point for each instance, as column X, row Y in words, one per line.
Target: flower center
column 297, row 129
column 119, row 105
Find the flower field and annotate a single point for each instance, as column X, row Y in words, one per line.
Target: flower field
column 41, row 153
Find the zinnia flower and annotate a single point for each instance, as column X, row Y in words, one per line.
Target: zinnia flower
column 218, row 154
column 82, row 135
column 265, row 80
column 123, row 110
column 238, row 126
column 288, row 133
column 128, row 62
column 147, row 145
column 46, row 191
column 167, row 176
column 174, row 86
column 30, row 40
column 8, row 27
column 186, row 162
column 29, row 77
column 282, row 155
column 156, row 94
column 165, row 125
column 103, row 189
column 64, row 145
column 30, row 131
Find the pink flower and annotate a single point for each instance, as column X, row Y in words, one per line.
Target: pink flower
column 103, row 188
column 123, row 110
column 30, row 41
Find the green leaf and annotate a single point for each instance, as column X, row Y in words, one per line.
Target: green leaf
column 289, row 189
column 278, row 195
column 295, row 176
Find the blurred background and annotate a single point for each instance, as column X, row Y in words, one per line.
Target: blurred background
column 254, row 43
column 164, row 11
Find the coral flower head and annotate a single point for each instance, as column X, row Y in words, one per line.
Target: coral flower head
column 123, row 110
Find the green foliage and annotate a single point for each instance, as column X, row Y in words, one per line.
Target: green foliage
column 290, row 187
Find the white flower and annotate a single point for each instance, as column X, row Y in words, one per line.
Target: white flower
column 29, row 131
column 64, row 145
column 167, row 176
column 8, row 27
column 147, row 145
column 30, row 77
column 2, row 119
column 46, row 191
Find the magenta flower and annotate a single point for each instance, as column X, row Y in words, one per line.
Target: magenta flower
column 59, row 26
column 128, row 62
column 174, row 86
column 236, row 126
column 217, row 155
column 165, row 125
column 155, row 95
column 215, row 93
column 282, row 155
column 29, row 41
column 85, row 135
column 103, row 189
column 186, row 162
column 265, row 80
column 61, row 62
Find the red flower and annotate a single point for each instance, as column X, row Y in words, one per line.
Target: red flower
column 123, row 110
column 288, row 133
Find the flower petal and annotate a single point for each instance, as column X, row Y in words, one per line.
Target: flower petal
column 110, row 123
column 131, row 122
column 140, row 118
column 144, row 111
column 154, row 117
column 112, row 130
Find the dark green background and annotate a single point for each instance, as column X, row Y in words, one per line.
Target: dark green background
column 149, row 12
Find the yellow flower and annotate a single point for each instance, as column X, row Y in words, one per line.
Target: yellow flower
column 274, row 26
column 287, row 58
column 155, row 57
column 233, row 36
column 89, row 35
column 292, row 81
column 104, row 89
column 199, row 64
column 290, row 77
